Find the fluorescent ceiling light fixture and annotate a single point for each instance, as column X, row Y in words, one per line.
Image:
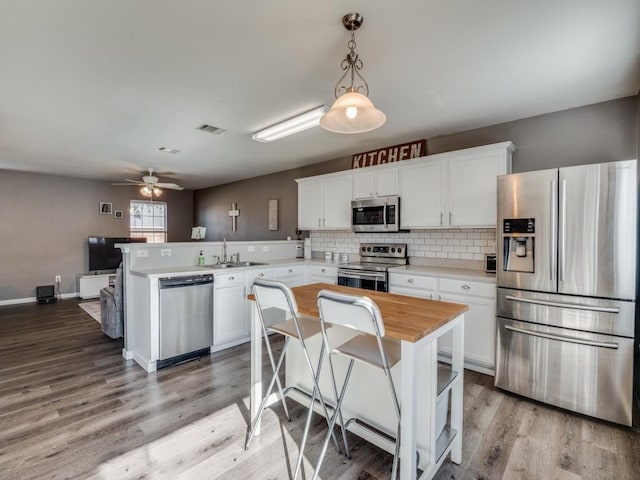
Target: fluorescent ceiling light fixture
column 296, row 124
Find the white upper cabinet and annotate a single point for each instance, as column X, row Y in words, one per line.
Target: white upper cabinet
column 472, row 187
column 373, row 182
column 422, row 195
column 453, row 189
column 448, row 190
column 324, row 202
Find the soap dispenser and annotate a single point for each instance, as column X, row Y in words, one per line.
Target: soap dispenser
column 201, row 259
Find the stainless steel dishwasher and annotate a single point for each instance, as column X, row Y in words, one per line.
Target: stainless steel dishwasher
column 186, row 318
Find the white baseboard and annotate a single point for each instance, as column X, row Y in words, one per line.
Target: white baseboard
column 127, row 354
column 18, row 301
column 148, row 365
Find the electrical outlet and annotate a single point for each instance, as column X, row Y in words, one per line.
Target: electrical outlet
column 266, row 248
column 142, row 253
column 58, row 279
column 251, row 248
column 165, row 252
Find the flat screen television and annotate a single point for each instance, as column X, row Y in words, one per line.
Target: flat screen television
column 104, row 256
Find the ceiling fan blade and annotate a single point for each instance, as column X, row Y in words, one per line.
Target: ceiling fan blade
column 170, row 186
column 127, row 184
column 137, row 182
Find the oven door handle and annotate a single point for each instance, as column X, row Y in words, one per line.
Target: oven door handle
column 577, row 306
column 563, row 338
column 361, row 276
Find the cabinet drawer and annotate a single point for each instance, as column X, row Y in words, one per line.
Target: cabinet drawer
column 320, row 270
column 264, row 274
column 228, row 279
column 413, row 281
column 290, row 271
column 465, row 287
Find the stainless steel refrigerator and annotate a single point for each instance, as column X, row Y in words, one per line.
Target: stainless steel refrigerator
column 567, row 287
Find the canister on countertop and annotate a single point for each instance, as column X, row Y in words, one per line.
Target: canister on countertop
column 328, row 256
column 344, row 258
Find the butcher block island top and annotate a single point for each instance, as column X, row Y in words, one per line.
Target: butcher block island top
column 405, row 318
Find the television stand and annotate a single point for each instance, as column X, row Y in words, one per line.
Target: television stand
column 90, row 284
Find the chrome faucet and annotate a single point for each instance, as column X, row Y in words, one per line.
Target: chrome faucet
column 224, row 250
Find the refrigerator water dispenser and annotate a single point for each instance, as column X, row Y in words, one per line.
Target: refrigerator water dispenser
column 518, row 243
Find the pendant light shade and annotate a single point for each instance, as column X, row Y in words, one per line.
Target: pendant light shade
column 352, row 113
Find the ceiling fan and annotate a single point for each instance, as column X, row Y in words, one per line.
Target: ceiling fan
column 150, row 184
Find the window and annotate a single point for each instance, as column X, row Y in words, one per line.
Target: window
column 148, row 220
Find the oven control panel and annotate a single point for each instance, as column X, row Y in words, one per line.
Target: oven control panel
column 388, row 250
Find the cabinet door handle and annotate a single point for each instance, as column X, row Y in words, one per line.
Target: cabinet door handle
column 441, row 218
column 323, row 270
column 431, row 296
column 290, row 271
column 324, row 222
column 261, row 275
column 450, row 216
column 465, row 287
column 410, row 280
column 231, row 278
column 319, row 222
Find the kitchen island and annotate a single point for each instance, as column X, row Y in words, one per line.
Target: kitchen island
column 422, row 384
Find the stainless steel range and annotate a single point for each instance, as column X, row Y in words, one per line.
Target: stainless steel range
column 371, row 273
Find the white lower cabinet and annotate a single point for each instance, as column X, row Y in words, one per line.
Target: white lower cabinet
column 230, row 319
column 292, row 275
column 479, row 320
column 323, row 274
column 413, row 285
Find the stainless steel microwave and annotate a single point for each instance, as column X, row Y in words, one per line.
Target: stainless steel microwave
column 373, row 215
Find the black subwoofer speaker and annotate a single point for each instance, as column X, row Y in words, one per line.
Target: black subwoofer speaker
column 46, row 294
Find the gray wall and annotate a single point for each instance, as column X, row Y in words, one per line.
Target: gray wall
column 45, row 221
column 596, row 133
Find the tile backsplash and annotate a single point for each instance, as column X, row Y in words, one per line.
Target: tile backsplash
column 450, row 244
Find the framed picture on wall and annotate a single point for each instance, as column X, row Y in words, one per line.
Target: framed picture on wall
column 106, row 208
column 118, row 214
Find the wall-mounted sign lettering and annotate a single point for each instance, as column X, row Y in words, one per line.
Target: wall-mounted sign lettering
column 396, row 153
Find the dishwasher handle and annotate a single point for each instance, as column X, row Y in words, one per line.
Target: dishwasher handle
column 181, row 282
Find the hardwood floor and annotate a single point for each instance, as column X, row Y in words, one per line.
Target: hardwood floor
column 72, row 407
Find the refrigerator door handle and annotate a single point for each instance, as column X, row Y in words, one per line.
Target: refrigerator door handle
column 553, row 255
column 577, row 306
column 563, row 230
column 563, row 338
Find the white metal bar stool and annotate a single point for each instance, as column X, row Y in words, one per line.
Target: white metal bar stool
column 272, row 294
column 369, row 347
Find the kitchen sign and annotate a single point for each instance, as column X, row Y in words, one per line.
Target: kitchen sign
column 396, row 153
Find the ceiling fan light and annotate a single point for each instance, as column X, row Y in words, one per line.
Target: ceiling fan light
column 146, row 191
column 352, row 113
column 157, row 192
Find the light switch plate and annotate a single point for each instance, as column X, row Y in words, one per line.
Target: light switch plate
column 251, row 248
column 142, row 253
column 266, row 248
column 165, row 252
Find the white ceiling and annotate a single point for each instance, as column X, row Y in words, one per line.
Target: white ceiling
column 90, row 88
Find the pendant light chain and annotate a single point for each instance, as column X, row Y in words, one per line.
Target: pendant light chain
column 352, row 64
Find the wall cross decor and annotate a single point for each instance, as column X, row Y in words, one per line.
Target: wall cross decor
column 234, row 213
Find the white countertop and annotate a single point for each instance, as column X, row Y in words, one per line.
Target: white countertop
column 423, row 270
column 187, row 270
column 446, row 272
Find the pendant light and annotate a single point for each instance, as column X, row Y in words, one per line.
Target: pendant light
column 352, row 112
